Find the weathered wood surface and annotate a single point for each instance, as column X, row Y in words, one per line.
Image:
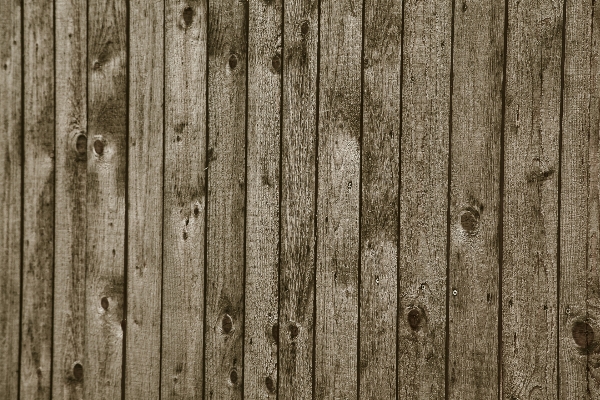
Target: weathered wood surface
column 300, row 199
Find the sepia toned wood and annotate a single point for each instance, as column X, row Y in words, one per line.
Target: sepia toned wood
column 424, row 199
column 38, row 200
column 184, row 199
column 144, row 200
column 10, row 193
column 338, row 202
column 106, row 196
column 530, row 221
column 578, row 207
column 262, row 220
column 225, row 262
column 298, row 200
column 68, row 364
column 475, row 202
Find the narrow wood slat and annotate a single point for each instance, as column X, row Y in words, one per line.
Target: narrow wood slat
column 423, row 204
column 145, row 199
column 38, row 199
column 227, row 47
column 71, row 177
column 531, row 158
column 262, row 224
column 184, row 199
column 475, row 201
column 380, row 166
column 106, row 196
column 10, row 193
column 298, row 199
column 338, row 200
column 578, row 207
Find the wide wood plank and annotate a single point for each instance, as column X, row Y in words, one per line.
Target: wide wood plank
column 184, row 199
column 298, row 200
column 10, row 193
column 578, row 208
column 424, row 199
column 262, row 223
column 337, row 268
column 473, row 292
column 106, row 196
column 38, row 201
column 145, row 199
column 531, row 158
column 71, row 181
column 227, row 58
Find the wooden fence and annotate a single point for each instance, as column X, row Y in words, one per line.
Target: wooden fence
column 295, row 199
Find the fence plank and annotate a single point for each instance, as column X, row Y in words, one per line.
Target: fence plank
column 106, row 196
column 475, row 201
column 145, row 199
column 424, row 199
column 71, row 166
column 38, row 202
column 577, row 231
column 531, row 157
column 227, row 58
column 298, row 199
column 184, row 199
column 262, row 229
column 337, row 268
column 10, row 193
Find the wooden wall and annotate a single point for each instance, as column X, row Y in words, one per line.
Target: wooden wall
column 300, row 199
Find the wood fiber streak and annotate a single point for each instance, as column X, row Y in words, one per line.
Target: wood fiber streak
column 227, row 46
column 106, row 197
column 478, row 62
column 184, row 199
column 71, row 203
column 262, row 226
column 38, row 199
column 298, row 199
column 10, row 193
column 423, row 200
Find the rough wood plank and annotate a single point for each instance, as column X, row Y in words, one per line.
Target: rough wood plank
column 578, row 232
column 298, row 199
column 145, row 199
column 338, row 200
column 531, row 158
column 423, row 203
column 262, row 223
column 475, row 199
column 10, row 194
column 38, row 201
column 227, row 58
column 71, row 177
column 106, row 196
column 184, row 199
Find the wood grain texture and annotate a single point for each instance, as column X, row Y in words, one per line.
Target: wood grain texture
column 145, row 199
column 10, row 193
column 478, row 62
column 68, row 365
column 298, row 199
column 531, row 158
column 227, row 74
column 38, row 201
column 262, row 221
column 106, row 196
column 184, row 199
column 338, row 200
column 578, row 236
column 424, row 199
column 380, row 166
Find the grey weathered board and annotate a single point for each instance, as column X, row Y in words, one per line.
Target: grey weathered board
column 296, row 199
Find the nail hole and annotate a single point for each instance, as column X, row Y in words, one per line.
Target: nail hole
column 81, row 144
column 583, row 334
column 188, row 16
column 104, row 303
column 99, row 147
column 454, row 292
column 270, row 384
column 233, row 61
column 414, row 319
column 226, row 324
column 78, row 371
